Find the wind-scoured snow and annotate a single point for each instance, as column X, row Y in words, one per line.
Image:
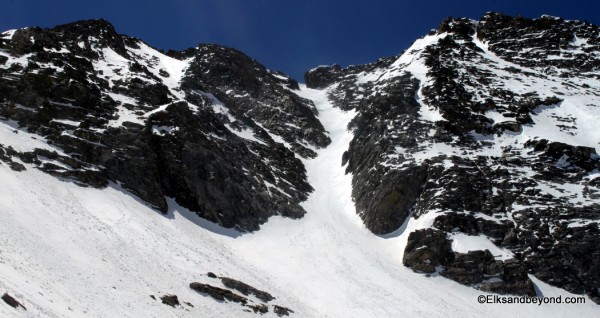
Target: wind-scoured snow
column 124, row 114
column 11, row 135
column 245, row 133
column 8, row 34
column 463, row 243
column 115, row 67
column 157, row 61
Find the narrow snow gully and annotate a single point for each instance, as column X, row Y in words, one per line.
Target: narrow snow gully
column 326, row 258
column 331, row 263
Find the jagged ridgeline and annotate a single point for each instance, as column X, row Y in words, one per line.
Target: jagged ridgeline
column 481, row 131
column 209, row 126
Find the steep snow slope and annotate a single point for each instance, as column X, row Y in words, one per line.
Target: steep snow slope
column 68, row 251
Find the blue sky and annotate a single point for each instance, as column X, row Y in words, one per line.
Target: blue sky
column 290, row 36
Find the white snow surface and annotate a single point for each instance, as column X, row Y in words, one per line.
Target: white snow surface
column 116, row 67
column 69, row 251
column 11, row 135
column 8, row 34
column 158, row 61
column 464, row 243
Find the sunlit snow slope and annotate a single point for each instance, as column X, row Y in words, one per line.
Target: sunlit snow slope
column 68, row 251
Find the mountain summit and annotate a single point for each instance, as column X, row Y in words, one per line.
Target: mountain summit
column 465, row 165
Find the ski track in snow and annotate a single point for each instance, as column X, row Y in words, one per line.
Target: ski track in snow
column 68, row 251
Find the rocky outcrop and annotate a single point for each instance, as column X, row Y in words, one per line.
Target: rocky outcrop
column 468, row 224
column 223, row 138
column 217, row 293
column 323, row 76
column 570, row 263
column 448, row 127
column 170, row 300
column 426, row 250
column 430, row 251
column 478, row 268
column 383, row 195
column 442, row 130
column 11, row 301
column 281, row 311
column 259, row 308
column 255, row 301
column 515, row 39
column 246, row 289
column 251, row 91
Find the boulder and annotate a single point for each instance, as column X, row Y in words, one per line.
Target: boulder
column 170, row 300
column 427, row 250
column 217, row 293
column 246, row 289
column 11, row 301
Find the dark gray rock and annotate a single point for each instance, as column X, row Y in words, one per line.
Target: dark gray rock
column 11, row 301
column 260, row 95
column 62, row 96
column 470, row 268
column 426, row 250
column 478, row 268
column 259, row 308
column 430, row 251
column 206, row 174
column 468, row 224
column 246, row 289
column 170, row 300
column 191, row 149
column 465, row 186
column 323, row 76
column 217, row 293
column 506, row 34
column 281, row 311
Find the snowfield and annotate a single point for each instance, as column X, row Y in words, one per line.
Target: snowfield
column 69, row 251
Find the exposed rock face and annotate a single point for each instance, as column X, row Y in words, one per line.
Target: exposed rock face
column 251, row 91
column 323, row 76
column 479, row 122
column 258, row 305
column 426, row 250
column 206, row 174
column 480, row 126
column 468, row 224
column 430, row 251
column 517, row 40
column 214, row 130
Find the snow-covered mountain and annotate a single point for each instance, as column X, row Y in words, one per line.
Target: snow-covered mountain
column 462, row 167
column 483, row 129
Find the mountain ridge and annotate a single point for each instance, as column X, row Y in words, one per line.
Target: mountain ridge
column 472, row 150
